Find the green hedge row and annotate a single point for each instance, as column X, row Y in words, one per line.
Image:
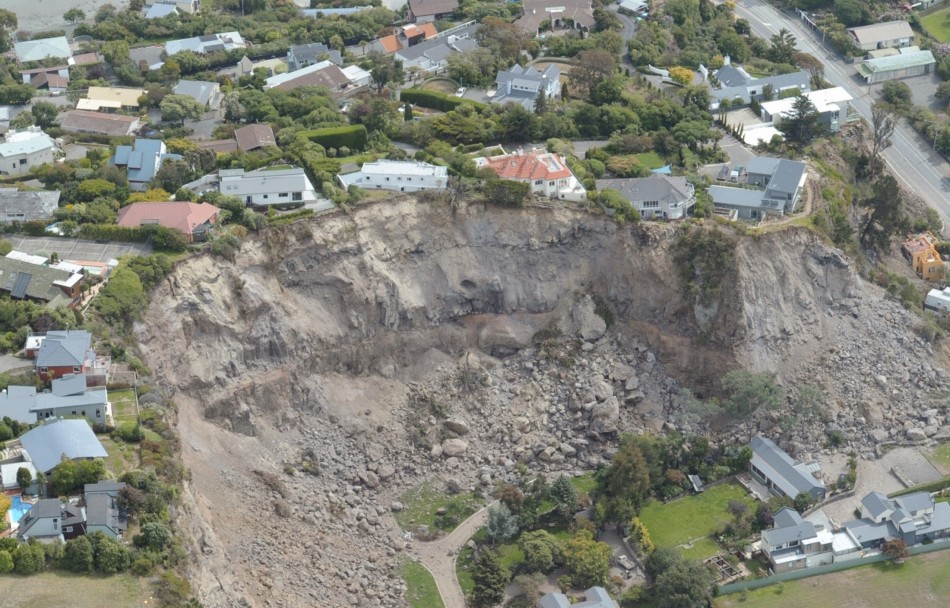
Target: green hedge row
column 437, row 101
column 933, row 486
column 353, row 137
column 163, row 239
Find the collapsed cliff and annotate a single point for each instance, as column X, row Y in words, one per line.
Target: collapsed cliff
column 540, row 332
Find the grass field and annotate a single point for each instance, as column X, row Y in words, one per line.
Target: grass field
column 921, row 582
column 940, row 458
column 422, row 591
column 650, row 160
column 123, row 406
column 937, row 24
column 422, row 503
column 58, row 589
column 692, row 518
column 441, row 85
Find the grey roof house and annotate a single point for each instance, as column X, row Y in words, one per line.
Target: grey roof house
column 49, row 520
column 781, row 180
column 432, row 55
column 209, row 43
column 65, row 348
column 595, row 597
column 103, row 515
column 207, row 94
column 46, row 445
column 69, row 396
column 740, row 88
column 24, row 206
column 302, row 55
column 657, row 196
column 890, row 34
column 142, row 160
column 45, row 48
column 778, row 471
column 524, row 85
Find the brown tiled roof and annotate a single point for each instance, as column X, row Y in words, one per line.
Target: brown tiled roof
column 219, row 145
column 390, row 44
column 254, row 136
column 182, row 216
column 331, row 77
column 425, row 8
column 529, row 166
column 51, row 79
column 96, row 122
column 86, row 58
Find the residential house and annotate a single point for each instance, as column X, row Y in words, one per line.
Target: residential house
column 148, row 57
column 45, row 48
column 921, row 252
column 49, row 286
column 157, row 11
column 433, row 55
column 50, row 81
column 740, row 88
column 142, row 160
column 913, row 518
column 8, row 473
column 655, row 197
column 254, row 136
column 110, row 98
column 831, row 104
column 62, row 352
column 46, row 445
column 910, row 62
column 546, row 172
column 782, row 182
column 261, row 188
column 227, row 41
column 524, row 85
column 101, row 123
column 357, row 76
column 938, row 300
column 29, row 76
column 781, row 474
column 194, row 220
column 794, row 542
column 576, row 14
column 188, row 7
column 422, row 11
column 400, row 176
column 219, row 146
column 633, row 7
column 104, row 515
column 24, row 150
column 890, row 34
column 302, row 55
column 69, row 396
column 404, row 37
column 595, row 597
column 49, row 520
column 322, row 74
column 207, row 94
column 27, row 205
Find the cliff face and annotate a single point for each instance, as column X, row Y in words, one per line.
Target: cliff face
column 321, row 336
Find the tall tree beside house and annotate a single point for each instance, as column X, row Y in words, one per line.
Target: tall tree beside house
column 490, row 578
column 179, row 108
column 8, row 23
column 622, row 487
column 685, row 584
column 783, row 46
column 386, row 70
column 587, row 559
column 885, row 217
column 814, row 66
column 24, row 478
column 407, row 112
column 541, row 102
column 78, row 555
column 896, row 550
column 564, row 495
column 802, row 125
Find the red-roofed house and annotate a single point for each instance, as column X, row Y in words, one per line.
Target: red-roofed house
column 406, row 36
column 193, row 220
column 547, row 173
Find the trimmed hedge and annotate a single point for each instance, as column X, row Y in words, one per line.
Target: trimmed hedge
column 933, row 486
column 163, row 239
column 353, row 137
column 437, row 101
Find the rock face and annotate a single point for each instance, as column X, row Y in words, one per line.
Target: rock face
column 359, row 355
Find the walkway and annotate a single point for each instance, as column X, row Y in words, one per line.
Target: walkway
column 439, row 557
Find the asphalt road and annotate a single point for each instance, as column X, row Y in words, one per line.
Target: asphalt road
column 910, row 157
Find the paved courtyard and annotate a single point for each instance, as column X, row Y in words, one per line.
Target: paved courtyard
column 75, row 249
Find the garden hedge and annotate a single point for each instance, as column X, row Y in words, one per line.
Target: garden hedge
column 353, row 137
column 436, row 100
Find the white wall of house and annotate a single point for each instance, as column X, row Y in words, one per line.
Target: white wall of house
column 566, row 188
column 400, row 183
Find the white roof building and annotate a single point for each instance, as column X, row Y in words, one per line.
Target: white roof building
column 938, row 299
column 825, row 100
column 225, row 41
column 37, row 50
column 399, row 176
column 264, row 187
column 357, row 75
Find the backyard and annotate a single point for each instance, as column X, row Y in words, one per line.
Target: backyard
column 61, row 589
column 921, row 582
column 693, row 519
column 937, row 23
column 123, row 406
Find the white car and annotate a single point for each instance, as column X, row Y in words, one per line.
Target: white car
column 460, row 92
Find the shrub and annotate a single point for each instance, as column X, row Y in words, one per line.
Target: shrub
column 129, row 432
column 507, row 193
column 436, row 101
column 78, row 556
column 353, row 137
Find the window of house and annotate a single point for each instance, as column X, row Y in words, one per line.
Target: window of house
column 55, row 524
column 43, row 370
column 538, row 182
column 398, row 179
column 68, row 529
column 297, row 196
column 74, row 412
column 76, row 370
column 22, row 161
column 551, row 183
column 387, row 179
column 98, row 414
column 651, row 204
column 265, row 196
column 283, row 195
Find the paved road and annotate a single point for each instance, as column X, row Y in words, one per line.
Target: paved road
column 439, row 557
column 912, row 159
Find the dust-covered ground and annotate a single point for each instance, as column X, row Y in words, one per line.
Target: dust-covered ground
column 43, row 15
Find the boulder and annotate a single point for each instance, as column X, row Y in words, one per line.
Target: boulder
column 916, row 434
column 604, row 416
column 454, row 447
column 587, row 323
column 385, row 471
column 457, row 426
column 878, row 435
column 601, row 389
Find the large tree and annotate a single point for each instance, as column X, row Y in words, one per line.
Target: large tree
column 750, row 391
column 802, row 124
column 591, row 67
column 386, row 70
column 814, row 66
column 783, row 46
column 885, row 217
column 490, row 578
column 686, row 584
column 179, row 108
column 502, row 523
column 504, row 39
column 883, row 124
column 587, row 559
column 624, row 485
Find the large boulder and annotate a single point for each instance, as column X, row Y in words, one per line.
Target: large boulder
column 459, row 427
column 454, row 447
column 586, row 322
column 604, row 416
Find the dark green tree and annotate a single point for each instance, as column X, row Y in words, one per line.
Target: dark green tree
column 564, row 495
column 802, row 125
column 502, row 523
column 750, row 391
column 24, row 478
column 587, row 559
column 885, row 217
column 541, row 549
column 8, row 24
column 686, row 584
column 623, row 486
column 490, row 578
column 78, row 556
column 44, row 113
column 407, row 112
column 783, row 46
column 386, row 70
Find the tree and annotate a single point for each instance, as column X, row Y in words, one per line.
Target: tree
column 542, row 551
column 624, row 485
column 386, row 70
column 882, row 126
column 541, row 102
column 78, row 555
column 123, row 297
column 91, row 189
column 564, row 495
column 8, row 24
column 6, row 562
column 502, row 523
column 685, row 584
column 178, row 108
column 885, row 218
column 802, row 125
column 407, row 112
column 24, row 478
column 25, row 559
column 812, row 65
column 111, row 556
column 155, row 536
column 507, row 193
column 16, row 94
column 517, row 124
column 490, row 578
column 943, row 92
column 852, row 12
column 44, row 113
column 587, row 559
column 898, row 94
column 783, row 46
column 750, row 391
column 640, row 537
column 74, row 15
column 591, row 67
column 504, row 39
column 896, row 550
column 681, row 76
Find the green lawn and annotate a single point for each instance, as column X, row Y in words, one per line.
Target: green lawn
column 940, row 458
column 422, row 503
column 692, row 518
column 650, row 160
column 422, row 591
column 937, row 24
column 123, row 406
column 584, row 484
column 63, row 589
column 921, row 582
column 463, row 570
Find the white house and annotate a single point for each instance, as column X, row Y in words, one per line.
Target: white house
column 831, row 104
column 209, row 43
column 938, row 299
column 524, row 85
column 25, row 149
column 400, row 176
column 263, row 188
column 45, row 48
column 546, row 172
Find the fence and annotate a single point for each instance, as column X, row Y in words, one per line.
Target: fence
column 827, row 569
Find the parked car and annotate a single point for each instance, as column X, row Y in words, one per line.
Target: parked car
column 460, row 92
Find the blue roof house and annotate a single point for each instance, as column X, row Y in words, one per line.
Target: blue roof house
column 774, row 468
column 142, row 160
column 595, row 597
column 48, row 444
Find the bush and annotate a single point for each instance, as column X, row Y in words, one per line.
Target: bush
column 129, row 432
column 353, row 137
column 507, row 193
column 435, row 100
column 78, row 556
